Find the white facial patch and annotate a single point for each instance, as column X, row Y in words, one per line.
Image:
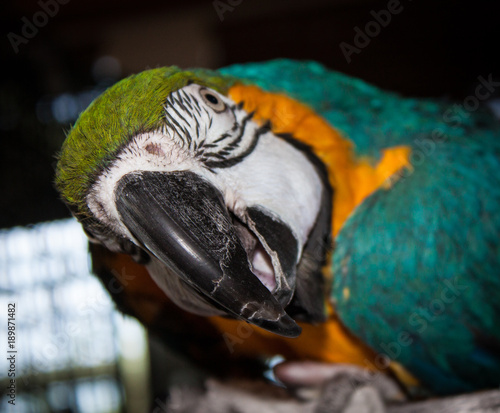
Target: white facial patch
column 214, row 132
column 197, row 133
column 279, row 178
column 146, row 152
column 210, row 135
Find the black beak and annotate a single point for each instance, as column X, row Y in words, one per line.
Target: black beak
column 182, row 220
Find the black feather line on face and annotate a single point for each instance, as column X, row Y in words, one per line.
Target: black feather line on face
column 233, row 129
column 236, row 141
column 179, row 115
column 197, row 127
column 226, row 163
column 174, row 125
column 181, row 124
column 222, row 137
column 184, row 100
column 187, row 135
column 197, row 106
column 216, row 155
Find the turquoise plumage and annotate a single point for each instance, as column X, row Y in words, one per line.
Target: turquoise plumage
column 421, row 259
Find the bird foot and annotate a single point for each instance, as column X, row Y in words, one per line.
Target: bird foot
column 339, row 388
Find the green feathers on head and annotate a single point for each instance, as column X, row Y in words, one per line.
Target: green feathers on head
column 132, row 106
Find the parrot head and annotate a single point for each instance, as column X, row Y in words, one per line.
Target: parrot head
column 229, row 218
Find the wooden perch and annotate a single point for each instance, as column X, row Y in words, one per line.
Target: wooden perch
column 257, row 396
column 479, row 402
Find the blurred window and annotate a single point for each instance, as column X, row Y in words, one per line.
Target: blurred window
column 69, row 338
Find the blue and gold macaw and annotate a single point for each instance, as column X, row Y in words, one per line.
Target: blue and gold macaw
column 344, row 223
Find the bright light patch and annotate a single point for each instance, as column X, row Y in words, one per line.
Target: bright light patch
column 66, row 325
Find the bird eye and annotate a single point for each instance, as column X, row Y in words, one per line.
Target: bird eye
column 212, row 100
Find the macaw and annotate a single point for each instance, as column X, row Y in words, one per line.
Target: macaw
column 283, row 208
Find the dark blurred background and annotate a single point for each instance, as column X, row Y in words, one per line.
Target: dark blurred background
column 54, row 68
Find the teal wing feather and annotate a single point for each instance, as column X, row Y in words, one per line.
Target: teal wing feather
column 421, row 260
